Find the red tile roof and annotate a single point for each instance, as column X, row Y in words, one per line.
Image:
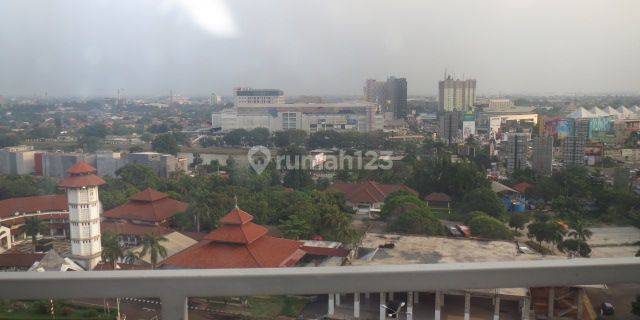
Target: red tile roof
column 81, row 175
column 149, row 195
column 148, row 205
column 47, row 203
column 238, row 243
column 522, row 187
column 81, row 167
column 438, row 197
column 369, row 191
column 128, row 228
column 19, row 260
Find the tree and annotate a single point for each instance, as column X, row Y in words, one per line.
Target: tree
column 417, row 221
column 289, row 137
column 165, row 143
column 297, row 179
column 575, row 247
column 547, row 231
column 259, row 137
column 399, row 202
column 518, row 220
column 485, row 200
column 111, row 250
column 236, row 137
column 579, row 230
column 139, row 176
column 32, row 227
column 130, row 257
column 489, row 227
column 151, row 244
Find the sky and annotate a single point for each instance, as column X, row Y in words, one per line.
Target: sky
column 322, row 47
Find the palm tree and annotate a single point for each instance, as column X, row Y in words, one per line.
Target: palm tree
column 580, row 231
column 32, row 227
column 111, row 250
column 151, row 244
column 130, row 257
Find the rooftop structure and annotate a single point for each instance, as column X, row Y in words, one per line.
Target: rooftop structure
column 149, row 207
column 245, row 96
column 238, row 243
column 52, row 261
column 366, row 196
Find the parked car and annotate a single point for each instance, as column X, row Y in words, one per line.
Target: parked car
column 454, row 232
column 607, row 309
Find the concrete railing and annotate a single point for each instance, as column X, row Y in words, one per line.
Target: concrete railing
column 173, row 287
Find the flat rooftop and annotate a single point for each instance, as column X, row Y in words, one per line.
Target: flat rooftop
column 410, row 249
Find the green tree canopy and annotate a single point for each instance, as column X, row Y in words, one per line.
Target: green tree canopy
column 489, row 227
column 417, row 220
column 165, row 143
column 485, row 200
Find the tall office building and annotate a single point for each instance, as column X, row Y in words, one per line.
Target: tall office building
column 542, row 157
column 516, row 151
column 459, row 95
column 573, row 150
column 391, row 95
column 450, row 130
column 248, row 96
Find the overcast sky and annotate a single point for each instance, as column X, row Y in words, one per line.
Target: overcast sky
column 147, row 47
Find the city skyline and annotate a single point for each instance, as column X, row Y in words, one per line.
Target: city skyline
column 198, row 47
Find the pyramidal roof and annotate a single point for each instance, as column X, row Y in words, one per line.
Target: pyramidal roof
column 149, row 195
column 81, row 167
column 81, row 175
column 236, row 216
column 597, row 112
column 237, row 228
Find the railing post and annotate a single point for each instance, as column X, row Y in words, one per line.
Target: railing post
column 409, row 305
column 356, row 305
column 438, row 305
column 550, row 303
column 467, row 306
column 526, row 308
column 496, row 308
column 174, row 307
column 383, row 303
column 331, row 304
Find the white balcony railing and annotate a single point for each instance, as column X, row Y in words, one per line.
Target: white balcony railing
column 174, row 286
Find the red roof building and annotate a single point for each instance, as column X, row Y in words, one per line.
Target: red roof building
column 147, row 207
column 238, row 243
column 52, row 209
column 522, row 187
column 368, row 196
column 81, row 175
column 438, row 199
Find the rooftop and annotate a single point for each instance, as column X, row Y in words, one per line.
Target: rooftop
column 148, row 205
column 368, row 191
column 33, row 204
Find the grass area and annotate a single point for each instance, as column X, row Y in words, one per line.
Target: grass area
column 41, row 310
column 267, row 307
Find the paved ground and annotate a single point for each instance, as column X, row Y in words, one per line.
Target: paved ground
column 614, row 236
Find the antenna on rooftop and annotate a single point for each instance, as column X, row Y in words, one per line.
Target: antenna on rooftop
column 235, row 198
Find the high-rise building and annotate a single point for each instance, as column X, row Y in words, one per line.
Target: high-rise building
column 391, row 95
column 459, row 95
column 84, row 214
column 248, row 96
column 213, row 101
column 450, row 127
column 573, row 150
column 542, row 157
column 516, row 151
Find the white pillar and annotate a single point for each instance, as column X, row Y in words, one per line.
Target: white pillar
column 383, row 310
column 552, row 298
column 331, row 307
column 526, row 308
column 356, row 305
column 416, row 297
column 409, row 305
column 337, row 299
column 496, row 309
column 174, row 308
column 438, row 305
column 467, row 306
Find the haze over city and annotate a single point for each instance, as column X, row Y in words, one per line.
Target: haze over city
column 86, row 48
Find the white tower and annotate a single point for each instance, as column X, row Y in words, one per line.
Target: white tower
column 84, row 214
